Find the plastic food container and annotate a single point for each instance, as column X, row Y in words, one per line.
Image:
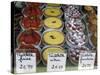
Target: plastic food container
column 74, row 52
column 52, row 12
column 76, row 39
column 72, row 12
column 50, row 49
column 35, row 5
column 74, row 25
column 30, row 11
column 53, row 37
column 53, row 23
column 29, row 37
column 31, row 23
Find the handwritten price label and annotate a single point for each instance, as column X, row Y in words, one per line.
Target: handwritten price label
column 86, row 61
column 25, row 62
column 56, row 62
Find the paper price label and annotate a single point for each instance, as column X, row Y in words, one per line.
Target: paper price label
column 56, row 62
column 25, row 62
column 86, row 61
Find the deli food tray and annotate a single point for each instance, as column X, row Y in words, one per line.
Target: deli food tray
column 47, row 37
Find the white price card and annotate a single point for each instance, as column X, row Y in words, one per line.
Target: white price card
column 56, row 62
column 86, row 61
column 25, row 62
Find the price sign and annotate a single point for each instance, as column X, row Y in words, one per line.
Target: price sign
column 25, row 62
column 56, row 62
column 86, row 61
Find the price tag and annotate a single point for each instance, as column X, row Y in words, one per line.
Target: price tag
column 86, row 61
column 25, row 62
column 56, row 62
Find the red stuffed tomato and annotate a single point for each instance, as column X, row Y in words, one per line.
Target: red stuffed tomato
column 29, row 11
column 34, row 5
column 31, row 23
column 29, row 37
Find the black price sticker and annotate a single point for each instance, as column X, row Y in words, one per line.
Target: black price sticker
column 56, row 62
column 25, row 62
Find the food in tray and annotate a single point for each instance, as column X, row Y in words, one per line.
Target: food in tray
column 92, row 23
column 89, row 9
column 29, row 37
column 29, row 49
column 94, row 39
column 51, row 49
column 31, row 22
column 74, row 52
column 76, row 38
column 53, row 23
column 70, row 6
column 53, row 37
column 53, row 5
column 29, row 11
column 74, row 25
column 72, row 11
column 92, row 20
column 54, row 12
column 33, row 5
